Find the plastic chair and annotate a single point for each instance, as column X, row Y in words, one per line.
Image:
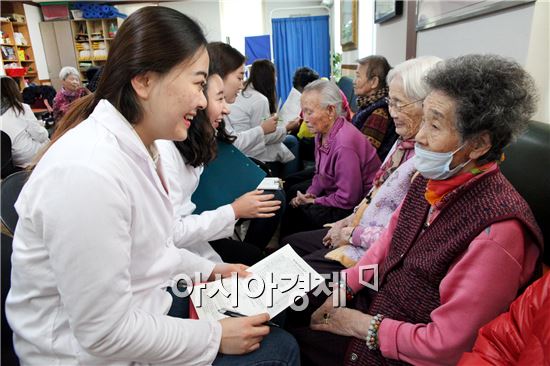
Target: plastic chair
column 7, row 161
column 10, row 189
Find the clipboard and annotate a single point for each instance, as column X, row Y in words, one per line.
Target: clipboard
column 230, row 175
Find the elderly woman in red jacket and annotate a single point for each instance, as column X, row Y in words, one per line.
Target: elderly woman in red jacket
column 519, row 337
column 460, row 246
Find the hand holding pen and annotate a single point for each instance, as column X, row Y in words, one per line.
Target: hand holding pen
column 242, row 335
column 269, row 125
column 235, row 314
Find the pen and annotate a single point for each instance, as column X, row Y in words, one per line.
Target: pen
column 234, row 314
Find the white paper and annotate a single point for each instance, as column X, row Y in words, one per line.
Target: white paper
column 284, row 269
column 270, row 184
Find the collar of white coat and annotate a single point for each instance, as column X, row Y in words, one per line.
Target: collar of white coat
column 112, row 120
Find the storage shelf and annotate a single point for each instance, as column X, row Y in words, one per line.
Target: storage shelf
column 26, row 60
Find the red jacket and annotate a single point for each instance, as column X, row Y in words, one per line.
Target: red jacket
column 520, row 336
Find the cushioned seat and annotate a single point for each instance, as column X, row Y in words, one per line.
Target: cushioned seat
column 527, row 167
column 346, row 86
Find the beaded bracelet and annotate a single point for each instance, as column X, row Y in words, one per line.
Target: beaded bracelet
column 372, row 334
column 349, row 292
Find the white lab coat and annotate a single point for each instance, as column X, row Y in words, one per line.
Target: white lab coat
column 247, row 113
column 26, row 134
column 292, row 108
column 93, row 254
column 192, row 232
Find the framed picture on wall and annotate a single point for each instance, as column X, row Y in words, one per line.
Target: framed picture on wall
column 348, row 24
column 387, row 9
column 431, row 14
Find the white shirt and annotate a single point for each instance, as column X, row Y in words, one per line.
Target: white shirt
column 26, row 134
column 247, row 113
column 292, row 108
column 192, row 232
column 93, row 254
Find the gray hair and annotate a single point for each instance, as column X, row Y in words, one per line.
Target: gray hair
column 492, row 94
column 412, row 73
column 329, row 93
column 68, row 70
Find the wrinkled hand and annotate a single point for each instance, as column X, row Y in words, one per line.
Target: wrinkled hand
column 340, row 320
column 302, row 199
column 269, row 125
column 293, row 125
column 226, row 269
column 243, row 335
column 337, row 236
column 255, row 204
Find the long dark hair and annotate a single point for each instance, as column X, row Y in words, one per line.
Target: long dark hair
column 11, row 96
column 224, row 59
column 153, row 38
column 262, row 78
column 200, row 146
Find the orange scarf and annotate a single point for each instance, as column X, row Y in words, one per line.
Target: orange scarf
column 437, row 189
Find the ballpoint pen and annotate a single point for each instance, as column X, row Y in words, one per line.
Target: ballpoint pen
column 234, row 314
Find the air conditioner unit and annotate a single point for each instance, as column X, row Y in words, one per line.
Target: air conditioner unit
column 327, row 3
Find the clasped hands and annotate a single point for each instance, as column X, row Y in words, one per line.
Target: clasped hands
column 302, row 199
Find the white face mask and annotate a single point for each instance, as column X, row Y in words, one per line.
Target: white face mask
column 435, row 165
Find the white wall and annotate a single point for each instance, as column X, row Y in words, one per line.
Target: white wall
column 520, row 33
column 207, row 13
column 34, row 17
column 391, row 38
column 240, row 19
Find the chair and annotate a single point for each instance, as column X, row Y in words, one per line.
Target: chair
column 527, row 167
column 346, row 85
column 7, row 161
column 10, row 189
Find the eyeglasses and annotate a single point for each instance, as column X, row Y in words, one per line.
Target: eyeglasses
column 399, row 107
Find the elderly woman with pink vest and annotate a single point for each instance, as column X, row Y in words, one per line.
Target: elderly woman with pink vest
column 460, row 246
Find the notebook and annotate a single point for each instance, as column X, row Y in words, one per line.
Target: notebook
column 230, row 175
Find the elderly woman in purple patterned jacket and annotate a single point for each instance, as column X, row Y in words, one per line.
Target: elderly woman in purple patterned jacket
column 460, row 246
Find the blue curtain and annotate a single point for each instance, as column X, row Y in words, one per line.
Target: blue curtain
column 257, row 47
column 297, row 42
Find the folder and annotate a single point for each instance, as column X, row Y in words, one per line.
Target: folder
column 230, row 175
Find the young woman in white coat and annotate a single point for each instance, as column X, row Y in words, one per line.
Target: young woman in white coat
column 93, row 251
column 183, row 163
column 256, row 102
column 19, row 123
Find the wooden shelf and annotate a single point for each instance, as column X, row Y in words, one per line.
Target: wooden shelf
column 10, row 60
column 7, row 44
column 26, row 60
column 18, row 23
column 22, row 46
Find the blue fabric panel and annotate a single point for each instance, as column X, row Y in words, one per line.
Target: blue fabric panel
column 256, row 48
column 297, row 42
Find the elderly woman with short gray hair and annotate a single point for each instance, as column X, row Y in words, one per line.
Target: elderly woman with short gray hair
column 71, row 90
column 462, row 243
column 345, row 163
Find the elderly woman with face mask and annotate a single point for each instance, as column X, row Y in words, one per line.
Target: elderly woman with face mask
column 346, row 163
column 462, row 243
column 353, row 235
column 71, row 90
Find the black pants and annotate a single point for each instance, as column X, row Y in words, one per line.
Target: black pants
column 310, row 217
column 309, row 246
column 260, row 231
column 233, row 251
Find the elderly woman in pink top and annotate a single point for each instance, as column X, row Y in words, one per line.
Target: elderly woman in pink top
column 346, row 163
column 71, row 90
column 462, row 243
